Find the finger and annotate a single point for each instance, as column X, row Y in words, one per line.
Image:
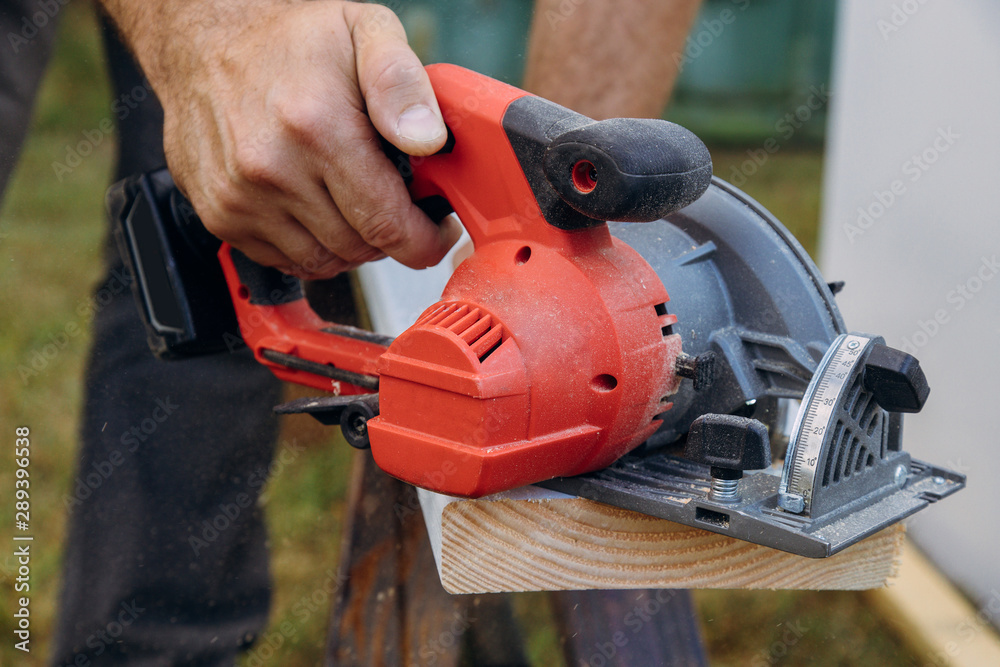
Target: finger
column 306, row 265
column 317, row 212
column 398, row 94
column 382, row 212
column 309, row 258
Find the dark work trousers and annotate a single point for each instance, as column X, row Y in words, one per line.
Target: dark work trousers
column 165, row 557
column 27, row 33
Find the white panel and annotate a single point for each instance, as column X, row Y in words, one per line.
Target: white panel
column 916, row 107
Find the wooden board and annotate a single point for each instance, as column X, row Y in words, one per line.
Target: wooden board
column 532, row 539
column 390, row 608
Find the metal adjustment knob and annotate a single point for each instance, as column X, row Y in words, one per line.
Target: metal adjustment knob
column 730, row 445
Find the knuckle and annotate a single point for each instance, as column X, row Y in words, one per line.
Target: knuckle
column 227, row 199
column 255, row 166
column 396, row 76
column 304, row 118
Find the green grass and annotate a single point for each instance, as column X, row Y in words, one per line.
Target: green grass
column 49, row 242
column 787, row 184
column 51, row 234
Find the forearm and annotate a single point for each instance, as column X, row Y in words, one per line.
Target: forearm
column 169, row 37
column 608, row 58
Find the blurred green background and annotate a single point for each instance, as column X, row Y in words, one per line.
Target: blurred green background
column 51, row 232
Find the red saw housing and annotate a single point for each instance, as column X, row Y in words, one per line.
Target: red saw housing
column 550, row 353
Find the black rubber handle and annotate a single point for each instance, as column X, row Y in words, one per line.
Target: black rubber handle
column 628, row 169
column 585, row 172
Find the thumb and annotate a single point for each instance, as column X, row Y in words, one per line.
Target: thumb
column 396, row 89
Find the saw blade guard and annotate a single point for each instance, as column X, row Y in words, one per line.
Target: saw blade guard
column 744, row 290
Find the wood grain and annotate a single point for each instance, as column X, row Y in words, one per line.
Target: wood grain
column 533, row 539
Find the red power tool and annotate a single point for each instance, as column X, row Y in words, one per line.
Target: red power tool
column 554, row 350
column 550, row 352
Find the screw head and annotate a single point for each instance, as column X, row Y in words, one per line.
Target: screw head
column 853, row 345
column 939, row 480
column 899, row 477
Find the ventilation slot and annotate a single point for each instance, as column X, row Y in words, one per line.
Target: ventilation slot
column 480, row 330
column 667, row 321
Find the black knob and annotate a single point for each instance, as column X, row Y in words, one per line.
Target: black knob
column 729, row 444
column 700, row 369
column 895, row 379
column 350, row 412
column 354, row 423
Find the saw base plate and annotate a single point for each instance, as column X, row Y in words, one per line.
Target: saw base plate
column 677, row 489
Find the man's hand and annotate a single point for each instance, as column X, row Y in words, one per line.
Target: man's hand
column 273, row 112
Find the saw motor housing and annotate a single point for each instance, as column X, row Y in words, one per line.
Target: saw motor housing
column 500, row 381
column 551, row 352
